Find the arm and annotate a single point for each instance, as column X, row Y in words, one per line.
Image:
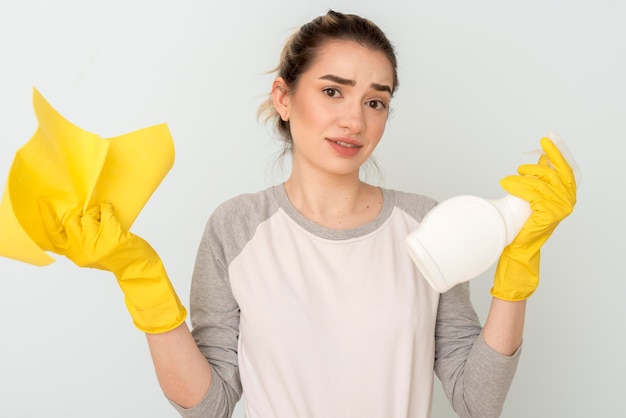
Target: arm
column 550, row 188
column 475, row 377
column 476, row 371
column 183, row 372
column 504, row 325
column 95, row 238
column 198, row 371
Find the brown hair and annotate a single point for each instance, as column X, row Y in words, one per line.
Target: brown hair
column 302, row 47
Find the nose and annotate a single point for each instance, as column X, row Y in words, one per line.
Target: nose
column 352, row 117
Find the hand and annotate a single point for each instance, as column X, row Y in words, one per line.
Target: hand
column 96, row 239
column 550, row 188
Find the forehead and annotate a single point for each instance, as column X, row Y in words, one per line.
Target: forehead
column 352, row 60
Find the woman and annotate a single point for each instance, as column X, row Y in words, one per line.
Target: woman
column 303, row 295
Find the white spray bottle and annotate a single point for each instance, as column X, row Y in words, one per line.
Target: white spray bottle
column 463, row 236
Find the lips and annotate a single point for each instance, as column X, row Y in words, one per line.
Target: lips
column 345, row 146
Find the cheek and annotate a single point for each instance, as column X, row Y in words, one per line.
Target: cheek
column 313, row 111
column 378, row 129
column 310, row 117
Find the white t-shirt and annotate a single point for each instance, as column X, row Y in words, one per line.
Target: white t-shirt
column 316, row 322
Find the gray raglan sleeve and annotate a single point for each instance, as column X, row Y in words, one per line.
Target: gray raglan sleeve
column 475, row 378
column 215, row 323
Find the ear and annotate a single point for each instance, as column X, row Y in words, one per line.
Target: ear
column 280, row 98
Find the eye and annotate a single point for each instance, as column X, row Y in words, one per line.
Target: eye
column 377, row 104
column 331, row 92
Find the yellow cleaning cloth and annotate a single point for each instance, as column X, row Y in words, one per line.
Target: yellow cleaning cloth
column 73, row 168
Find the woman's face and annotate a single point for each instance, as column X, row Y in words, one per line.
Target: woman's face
column 339, row 108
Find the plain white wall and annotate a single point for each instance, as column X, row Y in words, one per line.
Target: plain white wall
column 481, row 81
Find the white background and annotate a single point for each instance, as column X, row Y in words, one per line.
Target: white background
column 480, row 83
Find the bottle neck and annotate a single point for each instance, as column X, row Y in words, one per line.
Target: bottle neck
column 515, row 212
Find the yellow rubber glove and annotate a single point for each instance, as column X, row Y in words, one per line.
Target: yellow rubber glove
column 550, row 188
column 96, row 239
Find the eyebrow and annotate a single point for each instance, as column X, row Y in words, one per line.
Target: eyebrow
column 347, row 82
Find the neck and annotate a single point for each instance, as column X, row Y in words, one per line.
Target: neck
column 339, row 202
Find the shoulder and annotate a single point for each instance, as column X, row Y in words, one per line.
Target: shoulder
column 247, row 205
column 240, row 215
column 234, row 222
column 415, row 205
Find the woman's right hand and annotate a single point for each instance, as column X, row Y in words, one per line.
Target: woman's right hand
column 95, row 238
